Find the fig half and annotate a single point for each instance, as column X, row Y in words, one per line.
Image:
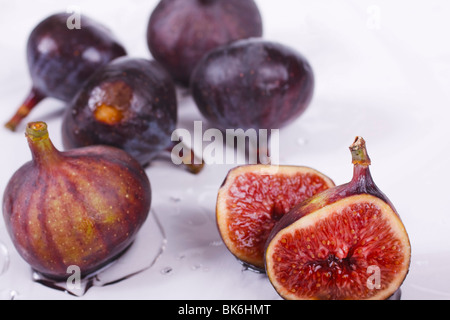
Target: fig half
column 347, row 242
column 254, row 197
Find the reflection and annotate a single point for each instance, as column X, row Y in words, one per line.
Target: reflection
column 135, row 260
column 4, row 258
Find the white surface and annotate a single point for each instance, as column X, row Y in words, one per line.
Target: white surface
column 385, row 79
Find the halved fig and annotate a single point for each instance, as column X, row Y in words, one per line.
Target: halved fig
column 347, row 242
column 254, row 197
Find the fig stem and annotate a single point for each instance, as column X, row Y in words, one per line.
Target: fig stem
column 37, row 131
column 33, row 98
column 191, row 161
column 191, row 165
column 42, row 148
column 359, row 152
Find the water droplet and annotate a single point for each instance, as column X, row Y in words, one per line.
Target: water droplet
column 302, row 141
column 159, row 114
column 174, row 199
column 166, row 270
column 216, row 243
column 8, row 295
column 247, row 267
column 196, row 267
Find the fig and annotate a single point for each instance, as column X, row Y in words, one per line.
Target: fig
column 181, row 32
column 60, row 59
column 130, row 103
column 347, row 242
column 252, row 83
column 82, row 207
column 254, row 197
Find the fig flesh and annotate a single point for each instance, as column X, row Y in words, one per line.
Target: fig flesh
column 347, row 242
column 181, row 32
column 252, row 83
column 254, row 197
column 82, row 207
column 130, row 104
column 61, row 59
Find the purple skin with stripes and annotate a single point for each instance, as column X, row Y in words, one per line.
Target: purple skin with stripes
column 83, row 207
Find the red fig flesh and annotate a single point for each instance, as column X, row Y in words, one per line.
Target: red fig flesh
column 83, row 207
column 347, row 242
column 254, row 197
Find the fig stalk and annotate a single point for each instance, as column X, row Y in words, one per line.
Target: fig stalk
column 42, row 148
column 33, row 98
column 359, row 152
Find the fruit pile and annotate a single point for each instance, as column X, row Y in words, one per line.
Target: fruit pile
column 84, row 206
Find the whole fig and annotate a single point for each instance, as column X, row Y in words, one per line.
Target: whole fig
column 130, row 104
column 252, row 83
column 82, row 207
column 181, row 32
column 60, row 59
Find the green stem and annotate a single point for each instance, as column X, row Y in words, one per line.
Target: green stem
column 42, row 148
column 359, row 152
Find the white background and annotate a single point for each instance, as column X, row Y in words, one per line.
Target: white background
column 382, row 71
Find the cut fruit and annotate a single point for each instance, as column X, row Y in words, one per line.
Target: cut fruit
column 347, row 242
column 254, row 197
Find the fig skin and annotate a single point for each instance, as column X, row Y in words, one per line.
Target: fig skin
column 130, row 104
column 83, row 207
column 252, row 83
column 181, row 32
column 362, row 185
column 60, row 59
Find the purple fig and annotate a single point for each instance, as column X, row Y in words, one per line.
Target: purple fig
column 181, row 32
column 252, row 83
column 60, row 59
column 82, row 207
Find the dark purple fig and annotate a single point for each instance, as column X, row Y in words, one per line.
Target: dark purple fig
column 82, row 207
column 130, row 104
column 181, row 32
column 60, row 59
column 252, row 83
